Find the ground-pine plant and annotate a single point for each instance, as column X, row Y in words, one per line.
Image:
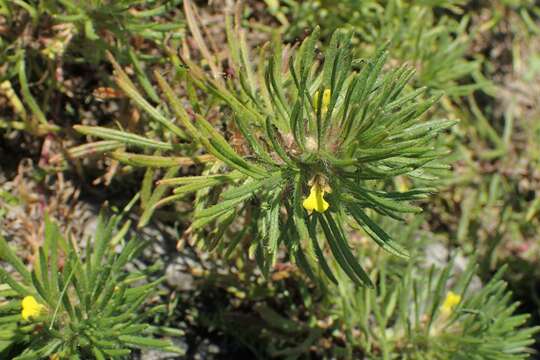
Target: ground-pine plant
column 419, row 313
column 296, row 153
column 427, row 307
column 433, row 313
column 76, row 303
column 315, row 142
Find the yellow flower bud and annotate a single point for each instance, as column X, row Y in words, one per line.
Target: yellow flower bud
column 327, row 93
column 450, row 302
column 31, row 308
column 315, row 201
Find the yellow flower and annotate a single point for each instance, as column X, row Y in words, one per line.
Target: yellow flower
column 450, row 302
column 315, row 200
column 31, row 308
column 327, row 93
column 402, row 184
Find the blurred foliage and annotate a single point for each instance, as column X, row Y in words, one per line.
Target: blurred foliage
column 428, row 35
column 43, row 42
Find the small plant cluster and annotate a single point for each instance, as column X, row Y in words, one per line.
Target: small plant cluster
column 420, row 311
column 435, row 314
column 298, row 169
column 76, row 303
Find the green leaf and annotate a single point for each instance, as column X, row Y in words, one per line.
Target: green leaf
column 319, row 253
column 6, row 278
column 342, row 252
column 150, row 205
column 8, row 255
column 128, row 87
column 376, row 232
column 25, row 90
column 94, row 148
column 52, row 235
column 218, row 146
column 151, row 161
column 274, row 224
column 143, row 79
column 144, row 342
column 124, row 137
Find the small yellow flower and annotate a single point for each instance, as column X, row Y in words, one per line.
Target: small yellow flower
column 315, row 201
column 31, row 308
column 450, row 302
column 402, row 183
column 327, row 93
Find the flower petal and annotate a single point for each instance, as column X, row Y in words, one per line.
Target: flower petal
column 315, row 201
column 30, row 308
